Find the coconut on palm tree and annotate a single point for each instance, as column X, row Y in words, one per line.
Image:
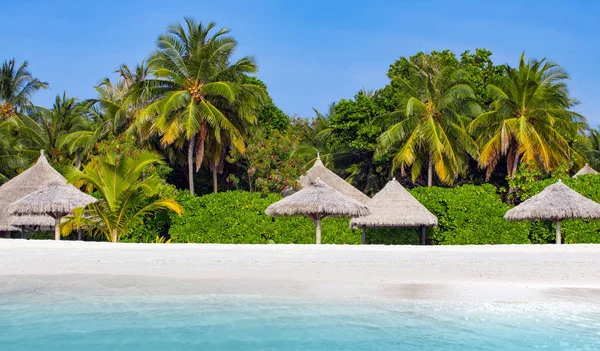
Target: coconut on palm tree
column 17, row 86
column 195, row 77
column 530, row 120
column 429, row 130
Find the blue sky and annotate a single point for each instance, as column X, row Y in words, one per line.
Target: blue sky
column 310, row 53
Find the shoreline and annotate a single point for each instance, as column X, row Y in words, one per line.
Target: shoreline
column 491, row 273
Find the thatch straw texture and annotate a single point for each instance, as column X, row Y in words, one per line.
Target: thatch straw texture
column 38, row 176
column 393, row 207
column 56, row 200
column 556, row 203
column 318, row 170
column 32, row 221
column 317, row 200
column 585, row 170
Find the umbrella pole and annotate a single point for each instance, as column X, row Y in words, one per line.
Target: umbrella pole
column 364, row 235
column 423, row 241
column 57, row 229
column 318, row 223
column 558, row 239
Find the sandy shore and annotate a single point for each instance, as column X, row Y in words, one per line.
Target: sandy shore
column 459, row 273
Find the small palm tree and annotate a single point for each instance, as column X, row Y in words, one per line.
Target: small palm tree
column 17, row 86
column 430, row 129
column 46, row 128
column 123, row 191
column 195, row 79
column 317, row 143
column 530, row 120
column 11, row 155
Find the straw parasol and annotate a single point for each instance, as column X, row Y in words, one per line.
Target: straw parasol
column 318, row 170
column 585, row 170
column 55, row 200
column 32, row 179
column 556, row 203
column 394, row 207
column 318, row 200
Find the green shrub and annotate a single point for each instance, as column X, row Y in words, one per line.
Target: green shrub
column 470, row 214
column 467, row 215
column 238, row 217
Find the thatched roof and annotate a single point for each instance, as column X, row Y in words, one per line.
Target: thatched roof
column 32, row 179
column 394, row 206
column 32, row 221
column 585, row 170
column 318, row 170
column 56, row 199
column 317, row 200
column 556, row 202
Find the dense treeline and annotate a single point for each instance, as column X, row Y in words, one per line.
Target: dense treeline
column 195, row 117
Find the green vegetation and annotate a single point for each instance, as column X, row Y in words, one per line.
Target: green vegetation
column 194, row 118
column 467, row 215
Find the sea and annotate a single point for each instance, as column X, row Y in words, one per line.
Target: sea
column 136, row 321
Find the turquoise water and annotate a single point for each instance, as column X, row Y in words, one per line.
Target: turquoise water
column 90, row 323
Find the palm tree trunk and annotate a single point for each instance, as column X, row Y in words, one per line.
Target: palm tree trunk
column 190, row 159
column 200, row 146
column 214, row 178
column 77, row 160
column 113, row 235
column 512, row 165
column 430, row 172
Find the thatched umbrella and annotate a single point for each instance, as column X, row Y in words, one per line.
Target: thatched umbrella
column 318, row 200
column 395, row 207
column 37, row 176
column 556, row 203
column 55, row 200
column 318, row 170
column 585, row 170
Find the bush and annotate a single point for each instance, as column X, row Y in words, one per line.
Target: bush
column 467, row 215
column 470, row 214
column 238, row 217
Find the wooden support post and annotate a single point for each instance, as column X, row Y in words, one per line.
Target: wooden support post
column 364, row 235
column 423, row 239
column 558, row 238
column 318, row 223
column 57, row 229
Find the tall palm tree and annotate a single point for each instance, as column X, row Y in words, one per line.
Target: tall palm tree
column 17, row 86
column 123, row 189
column 430, row 129
column 195, row 76
column 530, row 120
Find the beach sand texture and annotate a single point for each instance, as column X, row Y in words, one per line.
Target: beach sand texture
column 501, row 273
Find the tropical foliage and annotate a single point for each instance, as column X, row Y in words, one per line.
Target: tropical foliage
column 194, row 118
column 125, row 195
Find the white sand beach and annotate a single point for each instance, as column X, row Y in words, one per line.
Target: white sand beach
column 500, row 273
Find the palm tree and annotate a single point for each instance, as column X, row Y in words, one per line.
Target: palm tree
column 123, row 190
column 430, row 129
column 530, row 120
column 16, row 88
column 195, row 78
column 46, row 128
column 317, row 143
column 591, row 148
column 11, row 155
